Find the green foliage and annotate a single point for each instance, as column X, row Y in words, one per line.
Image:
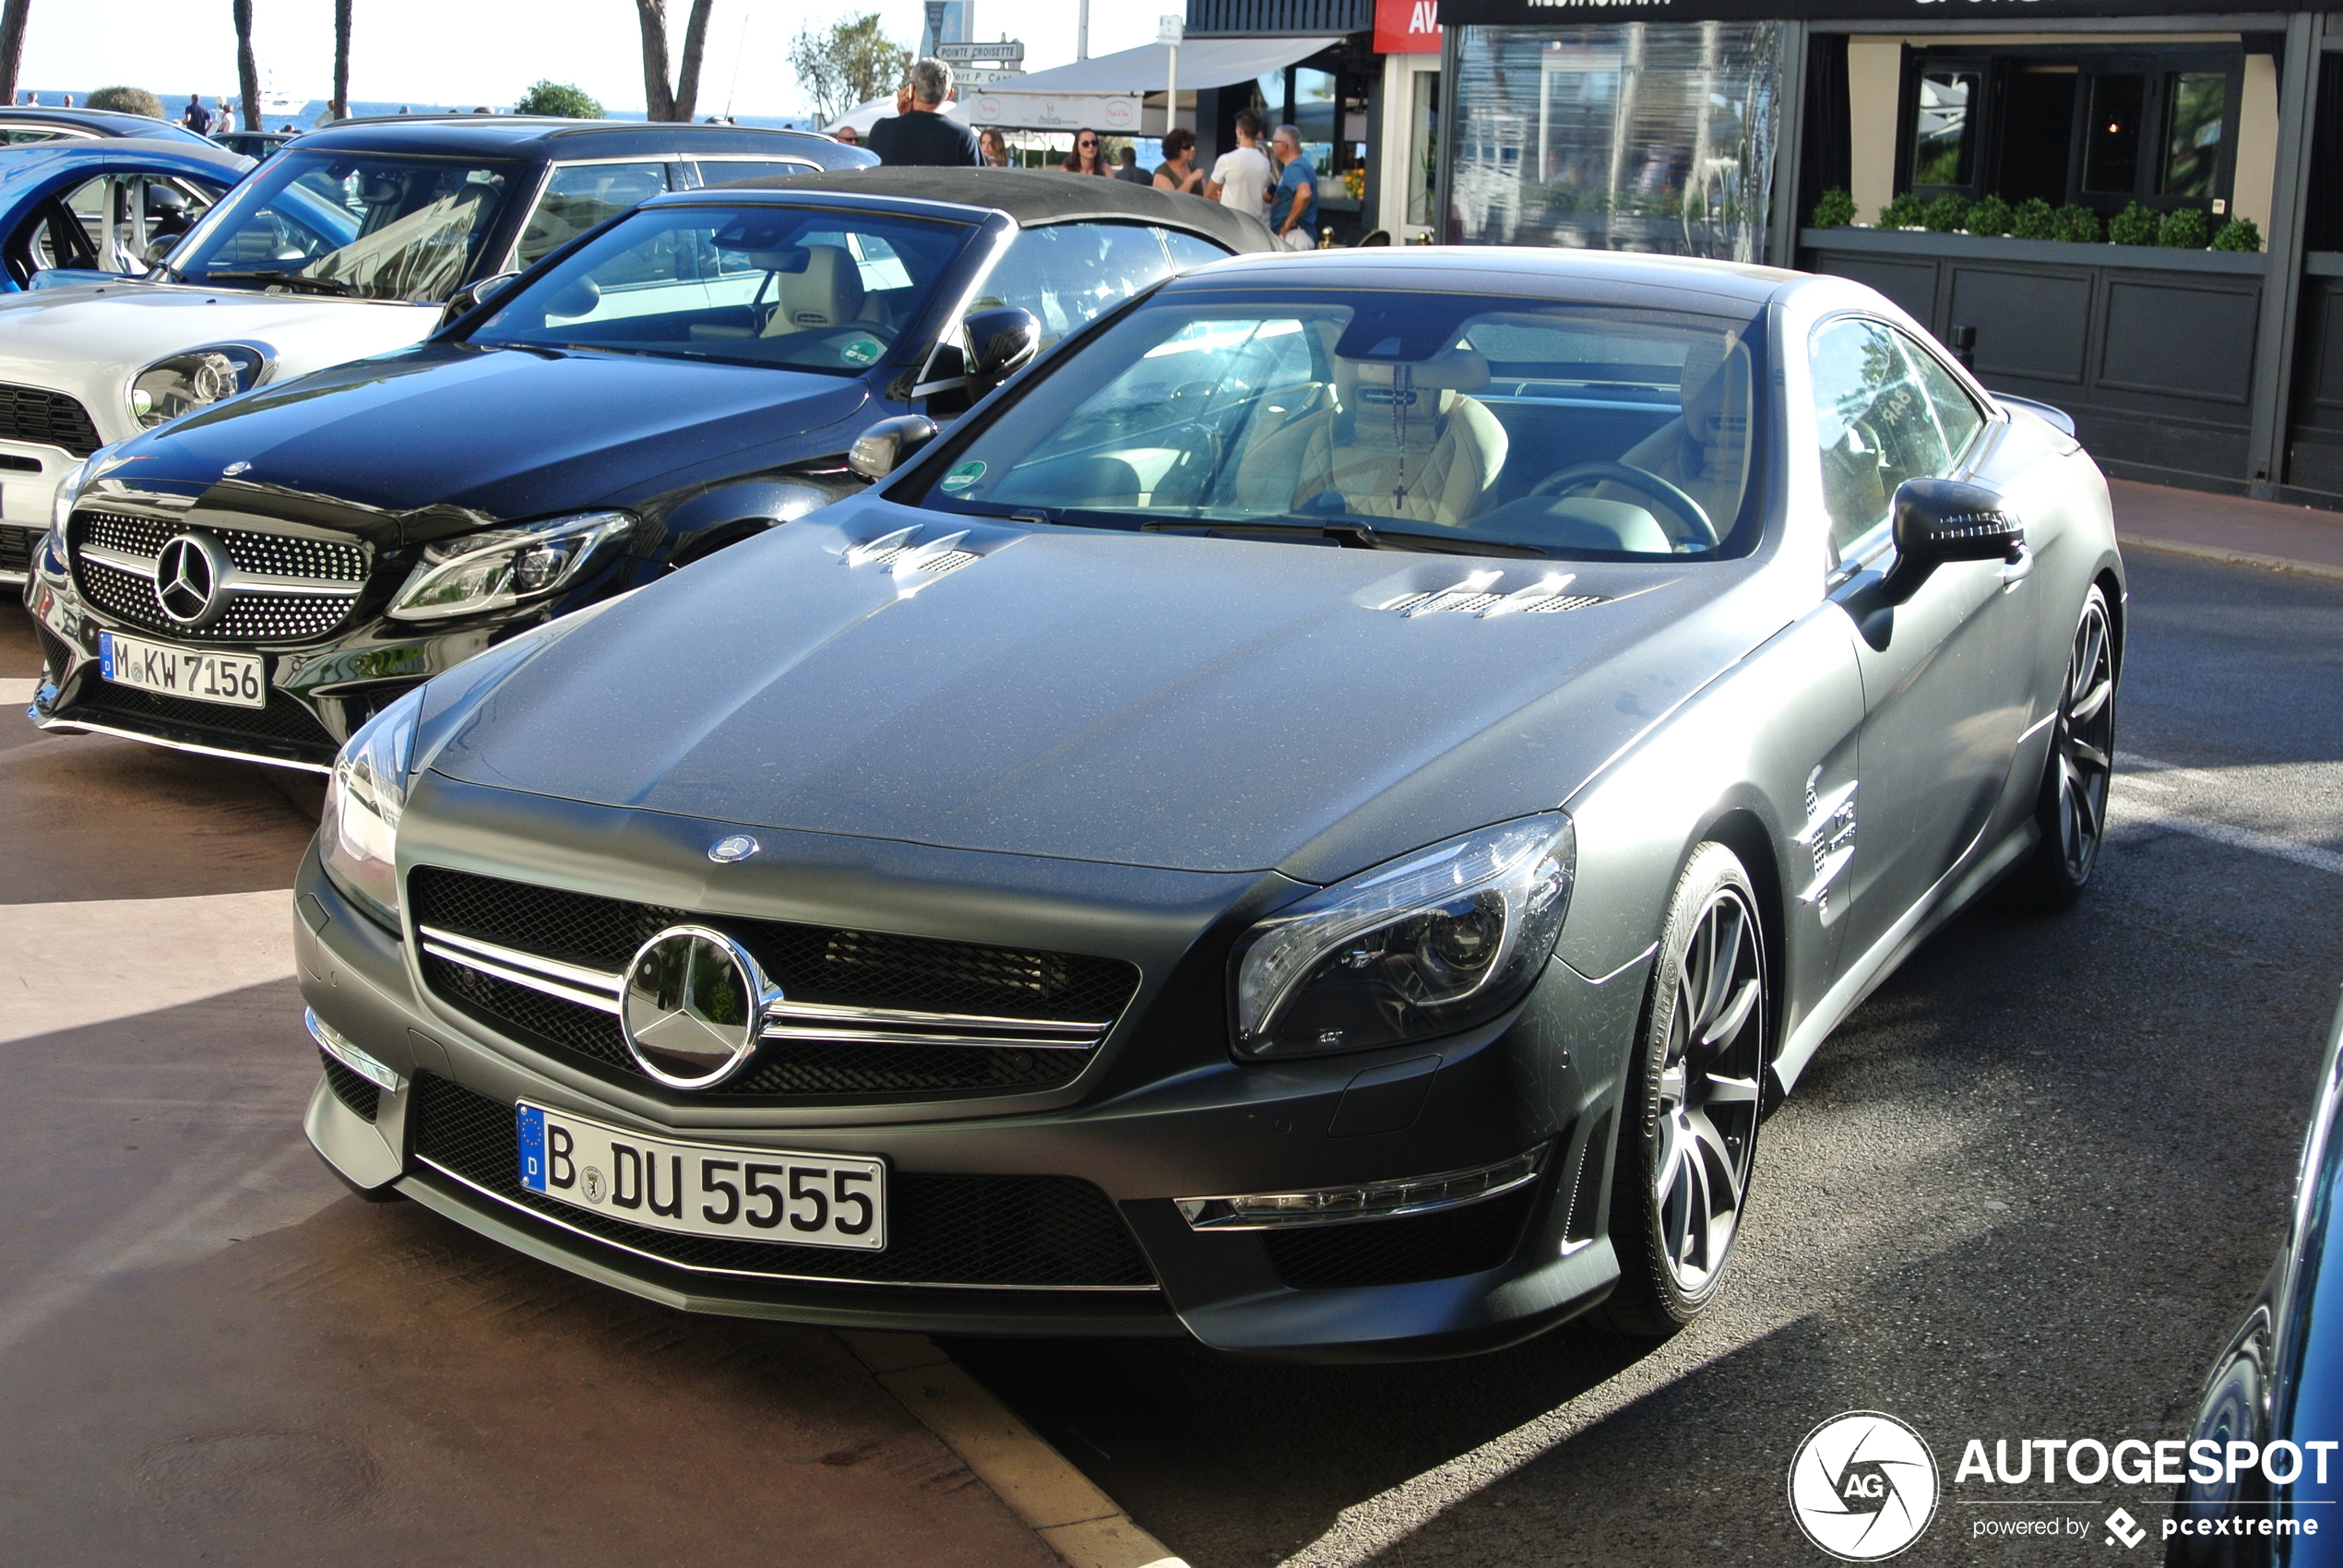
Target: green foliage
column 2135, row 225
column 2077, row 225
column 1945, row 215
column 127, row 101
column 1834, row 208
column 2184, row 229
column 1991, row 216
column 2034, row 219
column 851, row 62
column 2237, row 234
column 560, row 100
column 1905, row 212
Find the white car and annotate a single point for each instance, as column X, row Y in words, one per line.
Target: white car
column 359, row 241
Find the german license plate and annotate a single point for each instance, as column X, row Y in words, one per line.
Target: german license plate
column 235, row 680
column 748, row 1194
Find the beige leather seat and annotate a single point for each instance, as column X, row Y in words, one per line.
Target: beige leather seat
column 1705, row 450
column 1406, row 442
column 823, row 294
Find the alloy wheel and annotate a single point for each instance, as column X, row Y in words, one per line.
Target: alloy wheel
column 1709, row 1091
column 2084, row 749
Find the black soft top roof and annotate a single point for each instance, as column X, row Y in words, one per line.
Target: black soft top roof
column 1035, row 197
column 532, row 136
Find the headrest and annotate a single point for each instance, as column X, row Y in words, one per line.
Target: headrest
column 827, row 292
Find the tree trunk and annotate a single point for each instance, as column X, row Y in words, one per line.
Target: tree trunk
column 248, row 71
column 659, row 101
column 12, row 15
column 342, row 59
column 694, row 39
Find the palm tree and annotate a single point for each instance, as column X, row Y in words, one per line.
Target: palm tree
column 248, row 71
column 659, row 101
column 11, row 45
column 342, row 59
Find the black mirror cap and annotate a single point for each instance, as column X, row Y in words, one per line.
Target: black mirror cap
column 1938, row 520
column 888, row 445
column 1001, row 342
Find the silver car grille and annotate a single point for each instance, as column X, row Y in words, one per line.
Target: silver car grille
column 284, row 588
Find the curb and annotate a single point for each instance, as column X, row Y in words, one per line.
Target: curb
column 2231, row 557
column 1061, row 1505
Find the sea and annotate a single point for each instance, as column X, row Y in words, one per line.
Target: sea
column 313, row 113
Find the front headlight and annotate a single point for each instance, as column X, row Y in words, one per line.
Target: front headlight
column 504, row 566
column 1436, row 942
column 69, row 492
column 359, row 840
column 192, row 380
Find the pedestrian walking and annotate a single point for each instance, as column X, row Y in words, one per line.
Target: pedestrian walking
column 992, row 147
column 1241, row 176
column 198, row 118
column 1293, row 209
column 1178, row 171
column 227, row 119
column 1086, row 158
column 920, row 136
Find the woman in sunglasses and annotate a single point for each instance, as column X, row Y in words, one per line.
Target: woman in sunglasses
column 1088, row 158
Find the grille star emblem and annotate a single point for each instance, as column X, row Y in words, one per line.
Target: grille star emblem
column 232, row 469
column 191, row 579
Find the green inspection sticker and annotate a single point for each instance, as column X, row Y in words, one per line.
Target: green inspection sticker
column 860, row 351
column 967, row 473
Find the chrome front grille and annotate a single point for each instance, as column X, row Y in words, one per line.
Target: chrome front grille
column 865, row 1013
column 284, row 588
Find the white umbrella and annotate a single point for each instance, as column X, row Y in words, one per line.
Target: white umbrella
column 862, row 116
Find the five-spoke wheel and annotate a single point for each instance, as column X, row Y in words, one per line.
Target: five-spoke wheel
column 2072, row 811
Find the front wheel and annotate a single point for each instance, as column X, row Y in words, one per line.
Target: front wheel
column 2072, row 809
column 1689, row 1135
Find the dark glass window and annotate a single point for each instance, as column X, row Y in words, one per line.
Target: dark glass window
column 1944, row 128
column 2199, row 110
column 2111, row 139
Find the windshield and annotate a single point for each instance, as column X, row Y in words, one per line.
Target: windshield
column 1424, row 421
column 360, row 224
column 803, row 288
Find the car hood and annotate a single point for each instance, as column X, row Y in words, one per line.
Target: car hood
column 95, row 334
column 448, row 436
column 1144, row 699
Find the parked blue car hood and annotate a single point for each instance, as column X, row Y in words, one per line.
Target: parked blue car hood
column 1145, row 700
column 503, row 432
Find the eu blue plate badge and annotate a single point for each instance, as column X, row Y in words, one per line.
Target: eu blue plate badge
column 532, row 1148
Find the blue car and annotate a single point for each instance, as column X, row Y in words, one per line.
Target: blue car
column 2265, row 1475
column 30, row 123
column 86, row 209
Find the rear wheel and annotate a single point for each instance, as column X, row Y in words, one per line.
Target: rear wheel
column 2071, row 809
column 1689, row 1135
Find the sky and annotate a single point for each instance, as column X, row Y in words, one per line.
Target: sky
column 489, row 51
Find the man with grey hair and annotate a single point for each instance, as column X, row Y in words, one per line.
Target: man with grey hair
column 1293, row 206
column 919, row 136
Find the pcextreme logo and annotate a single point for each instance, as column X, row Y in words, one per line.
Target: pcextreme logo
column 1863, row 1486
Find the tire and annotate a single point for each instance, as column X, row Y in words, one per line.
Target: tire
column 1688, row 1133
column 2072, row 808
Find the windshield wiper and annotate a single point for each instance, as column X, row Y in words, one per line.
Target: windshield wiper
column 1349, row 535
column 289, row 280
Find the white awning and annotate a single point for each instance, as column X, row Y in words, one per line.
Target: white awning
column 870, row 112
column 1203, row 63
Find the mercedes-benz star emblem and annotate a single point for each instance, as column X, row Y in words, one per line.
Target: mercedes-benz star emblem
column 739, row 847
column 191, row 579
column 232, row 469
column 694, row 1007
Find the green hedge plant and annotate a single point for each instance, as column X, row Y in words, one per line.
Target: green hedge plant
column 2184, row 229
column 1904, row 213
column 2034, row 218
column 1991, row 217
column 1945, row 215
column 1834, row 208
column 2077, row 225
column 2237, row 234
column 558, row 98
column 2135, row 225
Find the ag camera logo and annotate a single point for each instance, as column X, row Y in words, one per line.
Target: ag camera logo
column 1863, row 1486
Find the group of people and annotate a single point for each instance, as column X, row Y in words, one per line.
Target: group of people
column 32, row 101
column 1275, row 185
column 208, row 122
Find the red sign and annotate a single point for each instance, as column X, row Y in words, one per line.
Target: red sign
column 1407, row 26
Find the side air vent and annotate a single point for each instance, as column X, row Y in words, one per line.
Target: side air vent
column 903, row 554
column 1475, row 596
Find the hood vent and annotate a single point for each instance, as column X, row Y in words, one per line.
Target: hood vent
column 903, row 554
column 1478, row 596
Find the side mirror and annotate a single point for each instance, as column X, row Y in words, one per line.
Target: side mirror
column 1938, row 520
column 1001, row 342
column 888, row 445
column 159, row 251
column 471, row 296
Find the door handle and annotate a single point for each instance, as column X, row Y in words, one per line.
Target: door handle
column 2015, row 569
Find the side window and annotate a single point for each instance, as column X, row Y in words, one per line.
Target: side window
column 580, row 195
column 1070, row 274
column 1876, row 423
column 731, row 171
column 1187, row 251
column 1956, row 415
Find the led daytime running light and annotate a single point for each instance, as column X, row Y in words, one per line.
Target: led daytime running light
column 1378, row 1200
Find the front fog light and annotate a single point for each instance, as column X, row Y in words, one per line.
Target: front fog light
column 505, row 566
column 1436, row 942
column 359, row 838
column 1375, row 1200
column 342, row 1049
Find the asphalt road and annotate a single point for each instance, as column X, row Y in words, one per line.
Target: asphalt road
column 2025, row 1192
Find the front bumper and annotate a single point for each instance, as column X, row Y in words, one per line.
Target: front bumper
column 1464, row 1279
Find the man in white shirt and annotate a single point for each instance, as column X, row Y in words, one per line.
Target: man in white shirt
column 1241, row 179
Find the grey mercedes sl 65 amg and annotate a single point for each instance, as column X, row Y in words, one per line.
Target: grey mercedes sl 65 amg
column 1320, row 817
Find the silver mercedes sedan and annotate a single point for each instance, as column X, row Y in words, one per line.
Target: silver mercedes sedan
column 1321, row 817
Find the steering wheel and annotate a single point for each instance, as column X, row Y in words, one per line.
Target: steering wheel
column 1698, row 529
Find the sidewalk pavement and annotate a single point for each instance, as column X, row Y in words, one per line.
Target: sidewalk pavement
column 2228, row 528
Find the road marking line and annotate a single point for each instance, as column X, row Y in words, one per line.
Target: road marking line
column 2142, row 813
column 68, row 966
column 1073, row 1518
column 18, row 691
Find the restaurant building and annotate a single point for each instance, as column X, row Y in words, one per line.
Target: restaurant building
column 1744, row 129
